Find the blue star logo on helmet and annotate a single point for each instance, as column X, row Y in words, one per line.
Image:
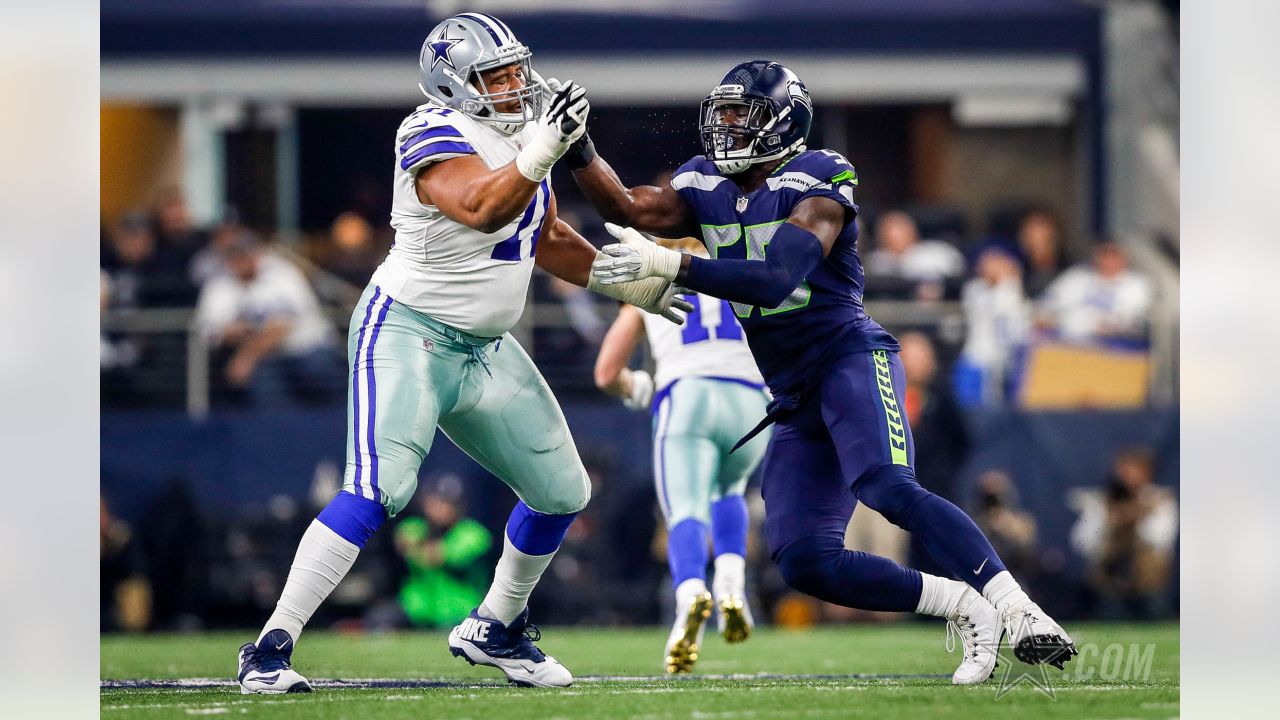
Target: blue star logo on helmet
column 441, row 48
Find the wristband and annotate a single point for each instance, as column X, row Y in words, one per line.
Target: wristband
column 580, row 153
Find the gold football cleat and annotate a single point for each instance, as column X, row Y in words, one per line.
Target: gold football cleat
column 683, row 653
column 733, row 620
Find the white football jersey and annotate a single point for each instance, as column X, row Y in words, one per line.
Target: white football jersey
column 471, row 280
column 709, row 344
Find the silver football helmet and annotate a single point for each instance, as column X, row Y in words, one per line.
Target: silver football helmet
column 462, row 47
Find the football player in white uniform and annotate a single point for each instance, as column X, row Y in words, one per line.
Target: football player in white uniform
column 709, row 394
column 428, row 345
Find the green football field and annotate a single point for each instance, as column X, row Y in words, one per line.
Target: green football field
column 877, row 671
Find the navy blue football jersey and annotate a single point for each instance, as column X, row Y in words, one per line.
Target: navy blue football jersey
column 823, row 318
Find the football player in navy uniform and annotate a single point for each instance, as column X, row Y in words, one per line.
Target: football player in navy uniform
column 777, row 220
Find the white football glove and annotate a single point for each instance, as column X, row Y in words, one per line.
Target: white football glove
column 653, row 295
column 563, row 122
column 635, row 258
column 641, row 391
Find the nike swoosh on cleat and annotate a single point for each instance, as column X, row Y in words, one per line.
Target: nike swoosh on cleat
column 268, row 679
column 281, row 645
column 975, row 572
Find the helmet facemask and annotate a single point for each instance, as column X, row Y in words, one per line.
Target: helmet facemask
column 483, row 105
column 737, row 131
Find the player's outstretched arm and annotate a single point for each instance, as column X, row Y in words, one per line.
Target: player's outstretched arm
column 612, row 375
column 468, row 192
column 658, row 210
column 795, row 250
column 567, row 255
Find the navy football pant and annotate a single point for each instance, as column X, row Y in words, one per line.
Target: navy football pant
column 850, row 442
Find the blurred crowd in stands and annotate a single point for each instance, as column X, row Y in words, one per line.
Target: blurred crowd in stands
column 273, row 316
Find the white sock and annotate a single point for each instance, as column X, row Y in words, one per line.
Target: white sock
column 322, row 560
column 939, row 596
column 513, row 581
column 1004, row 592
column 687, row 590
column 730, row 577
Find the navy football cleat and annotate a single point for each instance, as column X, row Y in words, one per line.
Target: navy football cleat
column 485, row 641
column 264, row 668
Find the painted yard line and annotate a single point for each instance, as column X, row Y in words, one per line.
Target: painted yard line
column 412, row 683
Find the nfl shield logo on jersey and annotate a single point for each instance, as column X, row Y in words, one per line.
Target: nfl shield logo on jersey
column 742, row 203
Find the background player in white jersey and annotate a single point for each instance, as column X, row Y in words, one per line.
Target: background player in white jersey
column 428, row 345
column 709, row 394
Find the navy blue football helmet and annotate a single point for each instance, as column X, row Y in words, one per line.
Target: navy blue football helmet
column 760, row 111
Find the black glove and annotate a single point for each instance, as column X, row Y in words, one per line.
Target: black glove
column 580, row 153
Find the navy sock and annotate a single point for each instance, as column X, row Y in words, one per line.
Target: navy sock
column 950, row 537
column 729, row 525
column 687, row 551
column 535, row 533
column 352, row 517
column 822, row 567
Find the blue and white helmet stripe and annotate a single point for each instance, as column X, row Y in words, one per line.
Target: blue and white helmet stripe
column 500, row 33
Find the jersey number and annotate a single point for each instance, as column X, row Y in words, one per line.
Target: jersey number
column 530, row 228
column 758, row 237
column 696, row 327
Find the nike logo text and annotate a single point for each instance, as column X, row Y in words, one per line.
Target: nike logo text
column 474, row 630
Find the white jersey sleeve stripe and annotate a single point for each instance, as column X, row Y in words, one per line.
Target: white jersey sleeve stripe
column 435, row 152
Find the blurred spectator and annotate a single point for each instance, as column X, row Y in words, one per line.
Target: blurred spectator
column 211, row 261
column 175, row 538
column 117, row 352
column 1098, row 301
column 1127, row 534
column 1040, row 244
column 125, row 592
column 900, row 255
column 351, row 251
column 445, row 552
column 998, row 318
column 1011, row 530
column 941, row 437
column 174, row 228
column 266, row 320
column 142, row 273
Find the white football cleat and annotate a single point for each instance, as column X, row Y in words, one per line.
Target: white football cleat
column 977, row 622
column 485, row 641
column 686, row 634
column 264, row 668
column 1036, row 638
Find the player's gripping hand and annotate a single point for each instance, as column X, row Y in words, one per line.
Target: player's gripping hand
column 641, row 391
column 634, row 258
column 653, row 295
column 582, row 151
column 562, row 123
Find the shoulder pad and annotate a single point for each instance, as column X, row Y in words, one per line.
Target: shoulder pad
column 430, row 134
column 827, row 166
column 698, row 173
